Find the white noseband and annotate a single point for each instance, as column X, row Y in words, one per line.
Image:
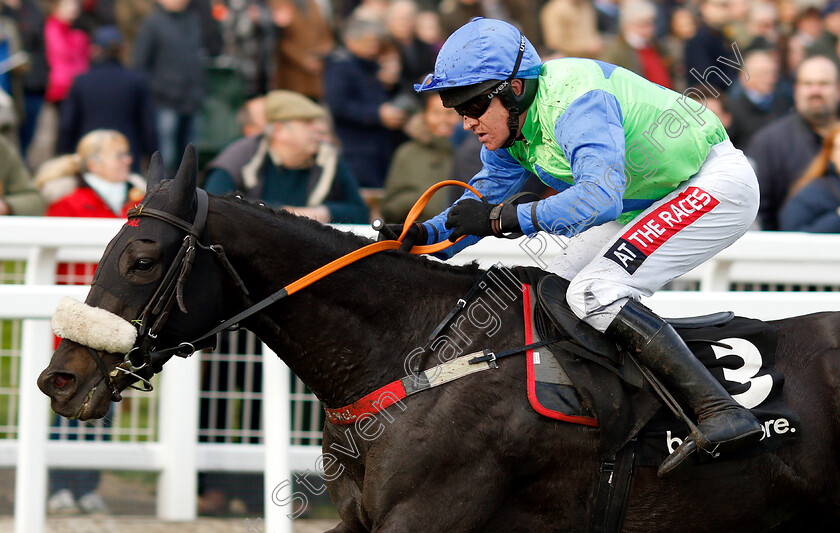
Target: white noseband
column 93, row 327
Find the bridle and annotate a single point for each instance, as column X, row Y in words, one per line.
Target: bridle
column 144, row 356
column 171, row 289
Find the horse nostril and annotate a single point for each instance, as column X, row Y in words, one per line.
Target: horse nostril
column 60, row 380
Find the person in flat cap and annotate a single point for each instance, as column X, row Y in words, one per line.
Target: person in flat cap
column 290, row 165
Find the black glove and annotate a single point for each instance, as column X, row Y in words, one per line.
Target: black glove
column 469, row 217
column 417, row 234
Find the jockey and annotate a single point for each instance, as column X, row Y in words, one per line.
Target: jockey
column 649, row 187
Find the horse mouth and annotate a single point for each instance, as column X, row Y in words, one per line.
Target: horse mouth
column 94, row 405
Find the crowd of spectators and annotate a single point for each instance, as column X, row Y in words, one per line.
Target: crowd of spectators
column 309, row 104
column 150, row 69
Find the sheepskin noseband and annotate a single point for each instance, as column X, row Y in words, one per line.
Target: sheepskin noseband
column 93, row 327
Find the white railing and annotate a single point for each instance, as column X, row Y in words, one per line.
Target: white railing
column 42, row 242
column 176, row 455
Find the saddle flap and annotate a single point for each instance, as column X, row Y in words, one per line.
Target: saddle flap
column 703, row 321
column 551, row 293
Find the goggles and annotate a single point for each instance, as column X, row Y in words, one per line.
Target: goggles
column 476, row 107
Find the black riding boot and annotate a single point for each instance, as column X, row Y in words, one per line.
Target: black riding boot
column 724, row 425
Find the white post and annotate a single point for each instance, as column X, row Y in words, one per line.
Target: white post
column 276, row 418
column 34, row 411
column 178, row 404
column 716, row 276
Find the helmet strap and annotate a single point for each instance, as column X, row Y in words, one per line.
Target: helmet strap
column 516, row 105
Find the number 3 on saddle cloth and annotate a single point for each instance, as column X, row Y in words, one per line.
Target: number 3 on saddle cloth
column 584, row 379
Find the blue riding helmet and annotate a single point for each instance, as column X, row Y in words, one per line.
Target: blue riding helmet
column 479, row 51
column 482, row 57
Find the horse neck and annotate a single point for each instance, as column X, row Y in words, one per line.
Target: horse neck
column 347, row 334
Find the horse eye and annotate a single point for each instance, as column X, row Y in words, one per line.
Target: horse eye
column 143, row 265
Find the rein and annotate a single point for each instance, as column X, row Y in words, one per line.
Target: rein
column 156, row 312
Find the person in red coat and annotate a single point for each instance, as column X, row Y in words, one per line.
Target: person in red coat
column 98, row 177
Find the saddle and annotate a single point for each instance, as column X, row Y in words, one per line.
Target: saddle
column 590, row 381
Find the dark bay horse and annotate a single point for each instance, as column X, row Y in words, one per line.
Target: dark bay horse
column 468, row 456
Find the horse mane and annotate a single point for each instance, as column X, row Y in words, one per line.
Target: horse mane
column 334, row 240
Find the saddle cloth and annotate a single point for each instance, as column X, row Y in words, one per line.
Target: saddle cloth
column 565, row 384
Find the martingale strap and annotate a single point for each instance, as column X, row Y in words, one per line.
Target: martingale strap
column 395, row 391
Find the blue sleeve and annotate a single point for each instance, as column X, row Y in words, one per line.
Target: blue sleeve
column 592, row 138
column 500, row 176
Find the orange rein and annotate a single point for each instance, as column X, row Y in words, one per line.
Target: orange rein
column 380, row 246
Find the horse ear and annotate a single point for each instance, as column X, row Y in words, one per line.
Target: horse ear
column 183, row 186
column 155, row 175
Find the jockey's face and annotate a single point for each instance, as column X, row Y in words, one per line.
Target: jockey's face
column 492, row 126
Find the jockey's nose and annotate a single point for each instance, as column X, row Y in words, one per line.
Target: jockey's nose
column 57, row 384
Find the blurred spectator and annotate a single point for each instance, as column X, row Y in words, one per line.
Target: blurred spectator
column 110, row 96
column 783, row 149
column 682, row 29
column 248, row 33
column 708, row 44
column 13, row 60
column 525, row 14
column 826, row 43
column 372, row 10
column 29, row 18
column 607, row 12
column 466, row 162
column 814, row 201
column 456, row 13
column 788, row 10
column 792, row 51
column 738, row 23
column 762, row 27
column 305, row 40
column 251, row 117
column 8, row 118
column 756, row 101
column 808, row 26
column 212, row 42
column 68, row 48
column 130, row 14
column 95, row 182
column 570, row 28
column 18, row 194
column 311, row 181
column 428, row 29
column 366, row 122
column 95, row 13
column 421, row 162
column 169, row 50
column 68, row 55
column 634, row 48
column 416, row 57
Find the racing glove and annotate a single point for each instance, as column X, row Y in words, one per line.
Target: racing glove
column 474, row 217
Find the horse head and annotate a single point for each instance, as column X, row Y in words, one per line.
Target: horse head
column 148, row 294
